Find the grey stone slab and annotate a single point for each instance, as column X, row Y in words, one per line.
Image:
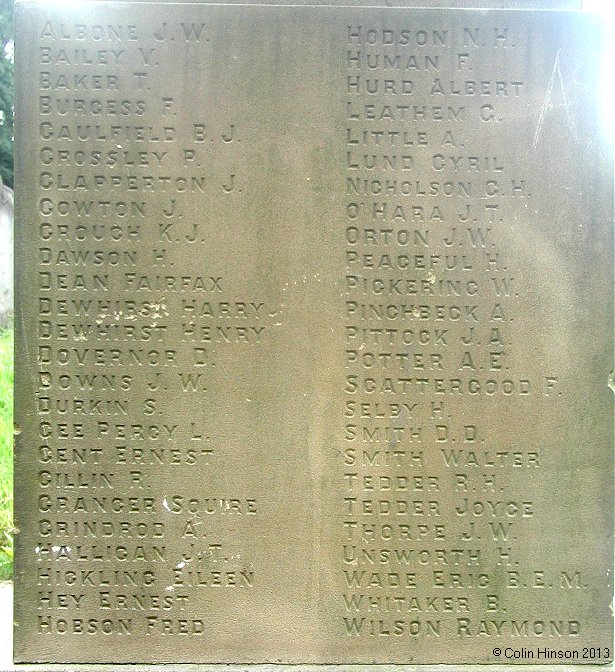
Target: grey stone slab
column 457, row 4
column 6, row 625
column 6, row 256
column 314, row 335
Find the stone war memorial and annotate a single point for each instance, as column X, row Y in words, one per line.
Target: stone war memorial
column 314, row 311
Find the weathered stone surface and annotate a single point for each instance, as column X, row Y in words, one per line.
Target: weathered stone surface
column 314, row 331
column 458, row 4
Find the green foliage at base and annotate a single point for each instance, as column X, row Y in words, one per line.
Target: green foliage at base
column 6, row 455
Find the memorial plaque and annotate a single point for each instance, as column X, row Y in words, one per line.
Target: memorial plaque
column 314, row 336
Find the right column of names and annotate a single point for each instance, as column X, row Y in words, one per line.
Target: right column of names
column 436, row 487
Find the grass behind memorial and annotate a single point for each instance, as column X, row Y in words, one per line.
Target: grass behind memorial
column 6, row 454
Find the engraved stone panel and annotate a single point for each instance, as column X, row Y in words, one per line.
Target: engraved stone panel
column 314, row 326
